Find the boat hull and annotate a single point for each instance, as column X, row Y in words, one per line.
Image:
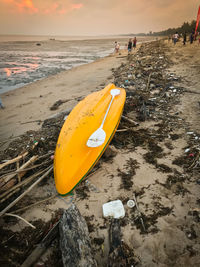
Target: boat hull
column 73, row 158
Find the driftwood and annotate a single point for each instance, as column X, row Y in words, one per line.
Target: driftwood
column 13, row 160
column 192, row 92
column 8, row 181
column 130, row 121
column 5, row 173
column 122, row 130
column 19, row 217
column 115, row 243
column 35, row 204
column 148, row 82
column 74, row 240
column 25, row 192
column 13, row 189
column 41, row 247
column 26, row 164
column 120, row 254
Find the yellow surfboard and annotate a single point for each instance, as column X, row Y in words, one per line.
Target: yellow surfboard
column 86, row 133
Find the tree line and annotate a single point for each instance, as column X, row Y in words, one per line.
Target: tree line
column 186, row 27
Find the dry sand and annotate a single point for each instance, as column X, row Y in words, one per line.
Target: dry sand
column 170, row 207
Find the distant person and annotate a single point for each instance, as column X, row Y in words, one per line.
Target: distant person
column 191, row 38
column 184, row 38
column 134, row 42
column 130, row 45
column 176, row 36
column 1, row 104
column 117, row 46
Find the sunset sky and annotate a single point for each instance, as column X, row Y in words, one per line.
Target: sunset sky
column 93, row 17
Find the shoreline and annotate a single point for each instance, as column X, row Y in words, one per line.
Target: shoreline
column 32, row 102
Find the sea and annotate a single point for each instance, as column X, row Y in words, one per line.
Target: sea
column 25, row 59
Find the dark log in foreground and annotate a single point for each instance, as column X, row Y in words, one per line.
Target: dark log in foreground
column 74, row 240
column 120, row 255
column 40, row 249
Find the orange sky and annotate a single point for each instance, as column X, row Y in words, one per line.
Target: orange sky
column 93, row 17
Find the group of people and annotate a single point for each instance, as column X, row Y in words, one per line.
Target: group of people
column 192, row 37
column 131, row 44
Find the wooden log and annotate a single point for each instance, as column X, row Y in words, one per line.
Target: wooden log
column 114, row 237
column 74, row 240
column 41, row 247
column 13, row 160
column 120, row 254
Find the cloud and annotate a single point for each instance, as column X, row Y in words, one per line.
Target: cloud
column 93, row 17
column 42, row 7
column 59, row 8
column 76, row 6
column 22, row 6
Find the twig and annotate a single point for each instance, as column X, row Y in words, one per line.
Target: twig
column 19, row 217
column 26, row 192
column 11, row 176
column 148, row 82
column 35, row 204
column 191, row 92
column 26, row 181
column 40, row 121
column 122, row 130
column 8, row 195
column 18, row 176
column 30, row 161
column 195, row 161
column 27, row 169
column 140, row 215
column 129, row 120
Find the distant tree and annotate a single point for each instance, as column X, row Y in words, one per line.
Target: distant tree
column 186, row 27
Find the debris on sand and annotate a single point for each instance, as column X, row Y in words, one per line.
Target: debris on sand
column 153, row 140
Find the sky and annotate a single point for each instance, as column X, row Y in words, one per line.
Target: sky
column 93, row 17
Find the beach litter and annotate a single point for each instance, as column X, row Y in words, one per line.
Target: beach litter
column 131, row 203
column 113, row 209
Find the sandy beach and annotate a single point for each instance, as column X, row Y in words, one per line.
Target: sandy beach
column 158, row 160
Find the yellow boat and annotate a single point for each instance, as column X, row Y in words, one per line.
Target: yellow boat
column 85, row 135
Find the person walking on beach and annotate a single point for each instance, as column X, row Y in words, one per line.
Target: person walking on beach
column 129, row 45
column 191, row 38
column 117, row 46
column 134, row 42
column 1, row 104
column 176, row 36
column 184, row 38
